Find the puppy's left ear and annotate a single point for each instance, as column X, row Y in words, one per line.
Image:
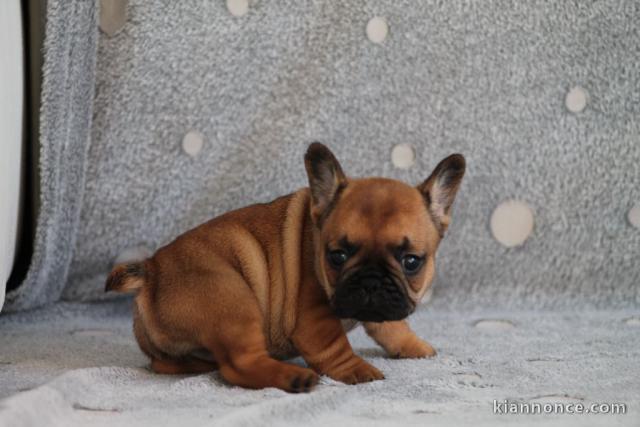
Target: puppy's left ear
column 441, row 187
column 326, row 179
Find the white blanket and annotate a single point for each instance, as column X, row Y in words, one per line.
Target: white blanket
column 582, row 357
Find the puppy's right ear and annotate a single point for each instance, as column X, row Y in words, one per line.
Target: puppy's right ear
column 326, row 180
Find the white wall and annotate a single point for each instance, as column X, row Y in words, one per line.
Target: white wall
column 11, row 116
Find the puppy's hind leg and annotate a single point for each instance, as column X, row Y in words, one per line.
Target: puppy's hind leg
column 185, row 366
column 237, row 341
column 161, row 362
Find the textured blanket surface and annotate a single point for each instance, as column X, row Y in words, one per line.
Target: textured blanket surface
column 488, row 79
column 78, row 365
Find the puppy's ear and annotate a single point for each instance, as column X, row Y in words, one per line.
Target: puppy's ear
column 326, row 179
column 441, row 187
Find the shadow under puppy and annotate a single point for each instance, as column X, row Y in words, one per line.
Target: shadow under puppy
column 274, row 280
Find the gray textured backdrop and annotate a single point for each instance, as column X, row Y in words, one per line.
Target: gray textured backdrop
column 487, row 79
column 65, row 120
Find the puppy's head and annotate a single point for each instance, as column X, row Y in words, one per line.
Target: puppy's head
column 376, row 238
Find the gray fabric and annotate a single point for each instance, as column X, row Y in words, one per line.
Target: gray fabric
column 486, row 79
column 65, row 120
column 560, row 357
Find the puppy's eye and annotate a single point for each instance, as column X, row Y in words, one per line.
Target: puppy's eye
column 337, row 258
column 411, row 264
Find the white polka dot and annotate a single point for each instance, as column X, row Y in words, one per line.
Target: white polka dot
column 134, row 254
column 238, row 7
column 576, row 99
column 377, row 29
column 634, row 216
column 403, row 156
column 512, row 223
column 113, row 16
column 192, row 143
column 633, row 321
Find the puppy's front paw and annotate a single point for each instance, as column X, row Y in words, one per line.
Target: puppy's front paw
column 415, row 349
column 301, row 382
column 356, row 371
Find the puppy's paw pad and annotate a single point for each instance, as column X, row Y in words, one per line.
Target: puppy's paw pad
column 295, row 384
column 416, row 349
column 303, row 382
column 310, row 382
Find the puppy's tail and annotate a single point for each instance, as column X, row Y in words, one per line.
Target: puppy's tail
column 126, row 278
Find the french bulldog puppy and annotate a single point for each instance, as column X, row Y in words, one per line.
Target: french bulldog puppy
column 291, row 277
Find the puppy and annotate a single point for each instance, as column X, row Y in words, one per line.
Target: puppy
column 291, row 277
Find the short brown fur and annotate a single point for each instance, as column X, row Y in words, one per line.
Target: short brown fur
column 253, row 286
